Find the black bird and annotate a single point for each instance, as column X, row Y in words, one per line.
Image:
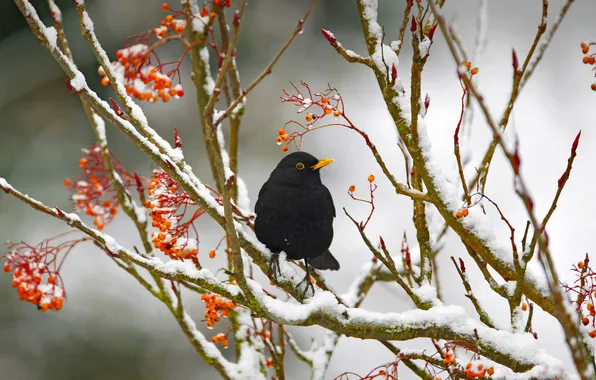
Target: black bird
column 295, row 214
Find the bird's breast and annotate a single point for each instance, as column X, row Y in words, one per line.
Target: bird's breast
column 297, row 221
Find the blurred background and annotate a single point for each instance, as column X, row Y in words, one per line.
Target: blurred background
column 111, row 328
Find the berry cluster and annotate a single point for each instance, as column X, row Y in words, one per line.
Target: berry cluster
column 372, row 187
column 221, row 338
column 217, row 307
column 316, row 106
column 478, row 371
column 170, row 24
column 449, row 358
column 35, row 273
column 141, row 79
column 92, row 190
column 168, row 204
column 462, row 213
column 589, row 59
column 584, row 287
column 467, row 66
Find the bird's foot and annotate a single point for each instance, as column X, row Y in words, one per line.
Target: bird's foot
column 274, row 269
column 307, row 285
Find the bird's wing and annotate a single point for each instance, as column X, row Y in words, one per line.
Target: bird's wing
column 330, row 198
column 263, row 190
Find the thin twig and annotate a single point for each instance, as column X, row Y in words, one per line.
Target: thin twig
column 269, row 67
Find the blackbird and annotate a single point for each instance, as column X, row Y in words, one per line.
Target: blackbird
column 295, row 214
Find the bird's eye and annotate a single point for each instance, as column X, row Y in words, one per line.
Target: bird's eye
column 300, row 166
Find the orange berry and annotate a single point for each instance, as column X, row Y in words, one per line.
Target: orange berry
column 325, row 100
column 52, row 280
column 585, row 321
column 58, row 304
column 524, row 306
column 382, row 373
column 467, row 64
column 281, row 131
column 279, row 140
column 212, row 254
column 480, row 367
column 352, row 188
column 448, row 354
column 590, row 306
column 204, row 11
column 284, row 148
column 327, row 111
column 371, row 178
column 469, row 366
column 592, row 334
column 308, row 117
column 474, row 71
column 165, row 6
column 217, row 3
column 212, row 16
column 105, row 81
column 67, row 182
column 465, row 212
column 107, row 204
column 169, row 18
column 593, row 86
column 285, row 137
column 179, row 29
column 580, row 265
column 586, row 60
column 269, row 363
column 336, row 113
column 82, row 162
column 491, row 371
column 7, row 267
column 458, row 214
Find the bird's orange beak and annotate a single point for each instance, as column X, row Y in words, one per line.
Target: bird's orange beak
column 322, row 163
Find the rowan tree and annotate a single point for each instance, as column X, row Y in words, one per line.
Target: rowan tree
column 164, row 205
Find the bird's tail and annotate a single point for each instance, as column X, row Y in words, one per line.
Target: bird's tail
column 324, row 261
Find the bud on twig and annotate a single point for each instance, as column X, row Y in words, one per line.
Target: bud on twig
column 515, row 61
column 431, row 33
column 177, row 140
column 117, row 109
column 139, row 184
column 414, row 27
column 236, row 21
column 462, row 265
column 393, row 73
column 382, row 243
column 69, row 86
column 427, row 101
column 329, row 36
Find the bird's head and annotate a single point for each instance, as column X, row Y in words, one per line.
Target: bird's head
column 300, row 168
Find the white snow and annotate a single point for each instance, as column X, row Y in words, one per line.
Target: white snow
column 55, row 10
column 424, row 47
